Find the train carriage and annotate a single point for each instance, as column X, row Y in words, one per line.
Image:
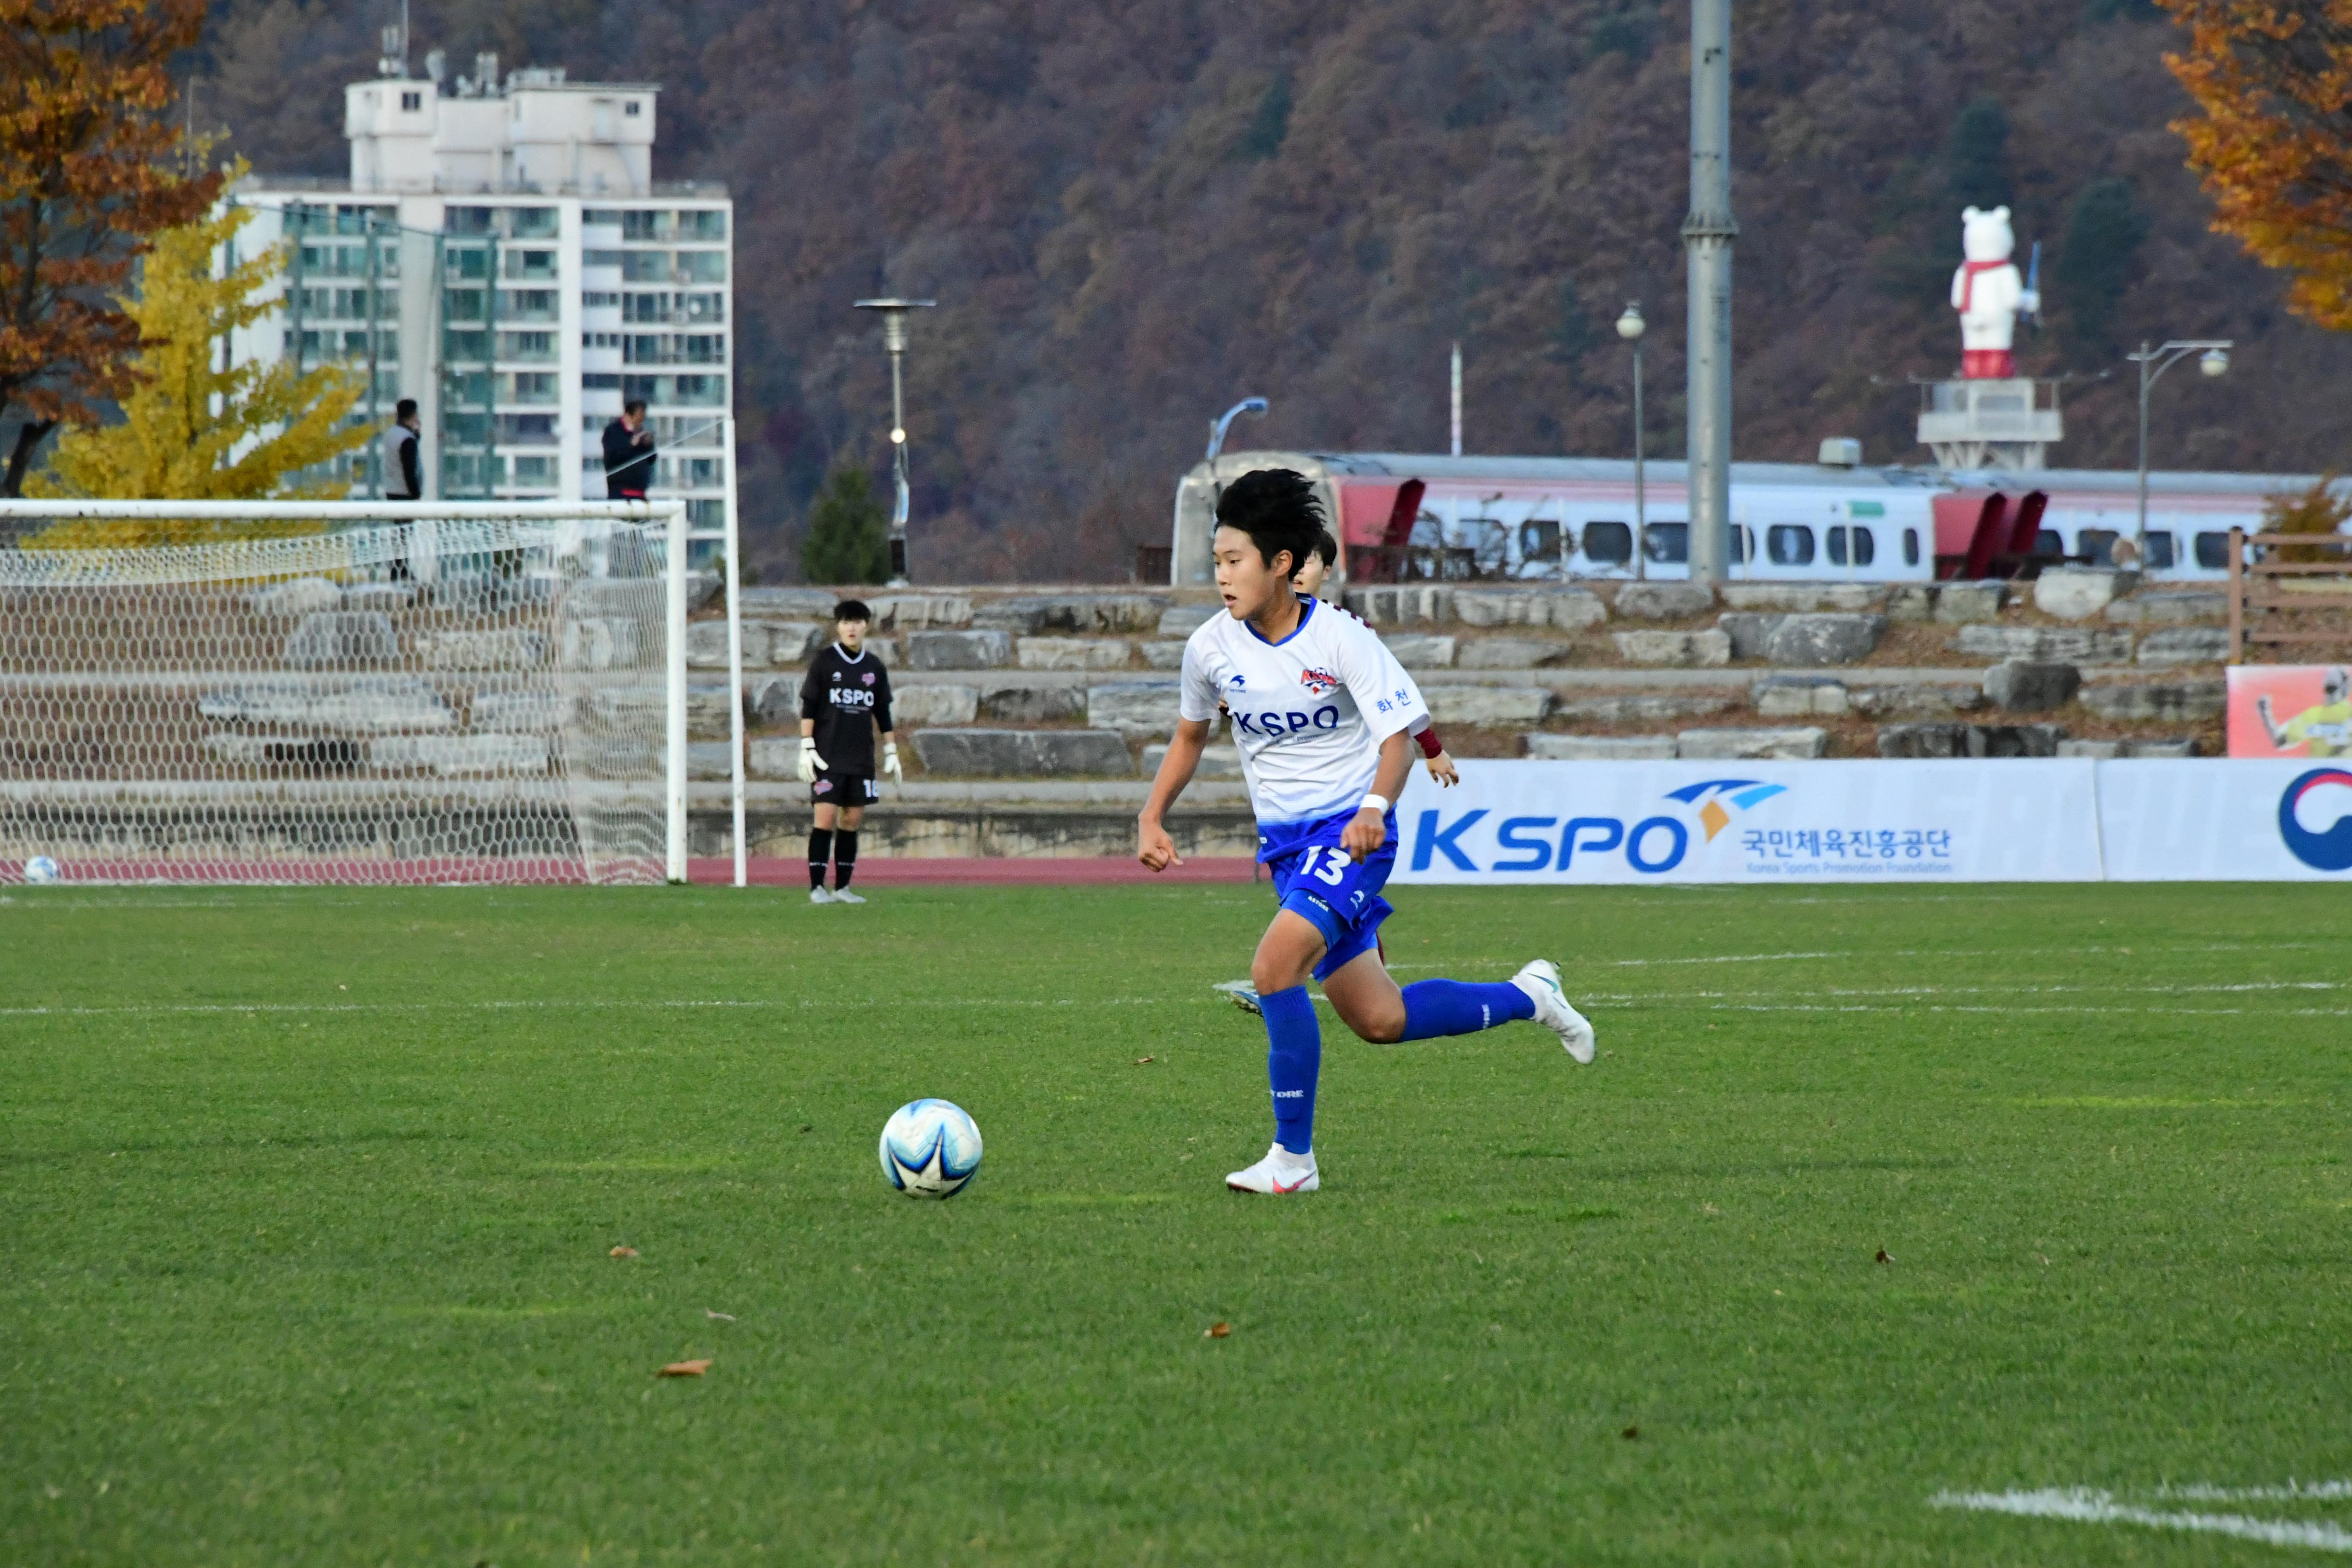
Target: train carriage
column 1505, row 518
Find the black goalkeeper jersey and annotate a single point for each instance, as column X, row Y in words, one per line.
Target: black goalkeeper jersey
column 847, row 697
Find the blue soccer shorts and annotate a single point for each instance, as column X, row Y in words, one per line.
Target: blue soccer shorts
column 1334, row 892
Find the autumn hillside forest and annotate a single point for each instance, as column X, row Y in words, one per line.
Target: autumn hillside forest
column 1132, row 214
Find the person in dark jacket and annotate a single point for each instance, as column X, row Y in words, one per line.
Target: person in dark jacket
column 629, row 454
column 404, row 466
column 403, row 470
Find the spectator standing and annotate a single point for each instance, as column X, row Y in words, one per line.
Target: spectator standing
column 629, row 454
column 404, row 465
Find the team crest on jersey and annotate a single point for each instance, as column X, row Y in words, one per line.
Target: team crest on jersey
column 867, row 677
column 1318, row 682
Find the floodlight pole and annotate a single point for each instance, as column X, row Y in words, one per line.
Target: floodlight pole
column 1708, row 234
column 894, row 341
column 2153, row 363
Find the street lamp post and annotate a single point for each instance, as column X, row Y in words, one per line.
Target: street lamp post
column 2213, row 359
column 894, row 343
column 1217, row 426
column 1630, row 326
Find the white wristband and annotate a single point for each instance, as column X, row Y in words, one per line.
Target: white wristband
column 891, row 747
column 1379, row 802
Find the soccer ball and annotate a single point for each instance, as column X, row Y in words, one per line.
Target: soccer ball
column 40, row 868
column 930, row 1149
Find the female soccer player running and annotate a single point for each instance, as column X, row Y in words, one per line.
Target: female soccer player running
column 1323, row 713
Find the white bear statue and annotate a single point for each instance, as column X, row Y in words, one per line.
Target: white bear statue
column 1989, row 292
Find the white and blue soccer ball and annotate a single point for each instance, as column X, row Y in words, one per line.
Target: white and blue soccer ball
column 40, row 868
column 931, row 1148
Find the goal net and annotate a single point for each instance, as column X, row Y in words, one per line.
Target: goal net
column 442, row 698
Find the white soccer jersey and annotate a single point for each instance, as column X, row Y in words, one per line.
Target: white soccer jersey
column 1309, row 712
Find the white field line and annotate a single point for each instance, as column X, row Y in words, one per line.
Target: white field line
column 557, row 1004
column 2293, row 1491
column 2100, row 1508
column 1928, row 991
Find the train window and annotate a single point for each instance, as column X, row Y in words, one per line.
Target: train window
column 2099, row 544
column 1739, row 542
column 1790, row 544
column 1608, row 544
column 1865, row 546
column 2213, row 551
column 2048, row 541
column 1540, row 539
column 1910, row 547
column 2159, row 552
column 1667, row 543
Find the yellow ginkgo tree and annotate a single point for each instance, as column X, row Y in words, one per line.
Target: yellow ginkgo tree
column 196, row 427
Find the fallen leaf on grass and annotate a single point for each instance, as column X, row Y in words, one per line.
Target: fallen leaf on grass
column 1143, row 1061
column 717, row 1317
column 624, row 1252
column 804, row 1126
column 1631, row 1434
column 1884, row 1256
column 1217, row 1331
column 685, row 1369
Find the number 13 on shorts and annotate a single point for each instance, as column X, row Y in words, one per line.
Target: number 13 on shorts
column 1333, row 869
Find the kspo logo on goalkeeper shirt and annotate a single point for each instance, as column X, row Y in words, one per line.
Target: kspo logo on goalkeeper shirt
column 1290, row 722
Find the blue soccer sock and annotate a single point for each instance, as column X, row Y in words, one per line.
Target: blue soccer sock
column 1435, row 1008
column 1293, row 1055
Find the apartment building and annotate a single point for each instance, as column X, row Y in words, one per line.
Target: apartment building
column 502, row 254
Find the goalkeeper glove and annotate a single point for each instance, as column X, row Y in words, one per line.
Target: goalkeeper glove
column 890, row 761
column 810, row 762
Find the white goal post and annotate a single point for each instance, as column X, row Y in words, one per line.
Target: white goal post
column 407, row 691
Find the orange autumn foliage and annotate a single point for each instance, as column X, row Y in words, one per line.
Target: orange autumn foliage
column 87, row 150
column 2273, row 142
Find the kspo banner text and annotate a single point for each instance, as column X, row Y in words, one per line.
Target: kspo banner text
column 1739, row 822
column 2008, row 821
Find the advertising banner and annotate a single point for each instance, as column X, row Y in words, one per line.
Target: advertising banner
column 2226, row 821
column 1514, row 823
column 2290, row 711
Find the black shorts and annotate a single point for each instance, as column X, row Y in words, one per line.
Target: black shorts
column 844, row 789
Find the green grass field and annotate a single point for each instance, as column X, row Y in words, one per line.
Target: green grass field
column 309, row 1198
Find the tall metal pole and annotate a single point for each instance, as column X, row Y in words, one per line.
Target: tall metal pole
column 1641, row 494
column 1458, row 399
column 2213, row 360
column 733, row 565
column 1708, row 235
column 2140, row 535
column 899, row 511
column 893, row 312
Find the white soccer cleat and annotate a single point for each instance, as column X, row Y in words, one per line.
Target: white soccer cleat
column 1280, row 1172
column 1242, row 994
column 819, row 896
column 1540, row 980
column 844, row 896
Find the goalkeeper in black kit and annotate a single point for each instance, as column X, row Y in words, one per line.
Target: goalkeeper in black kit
column 845, row 698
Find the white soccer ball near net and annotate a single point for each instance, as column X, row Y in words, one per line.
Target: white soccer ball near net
column 930, row 1149
column 41, row 870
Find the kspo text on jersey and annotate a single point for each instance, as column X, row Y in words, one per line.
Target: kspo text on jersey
column 845, row 695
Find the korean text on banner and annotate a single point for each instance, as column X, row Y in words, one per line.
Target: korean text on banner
column 1520, row 822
